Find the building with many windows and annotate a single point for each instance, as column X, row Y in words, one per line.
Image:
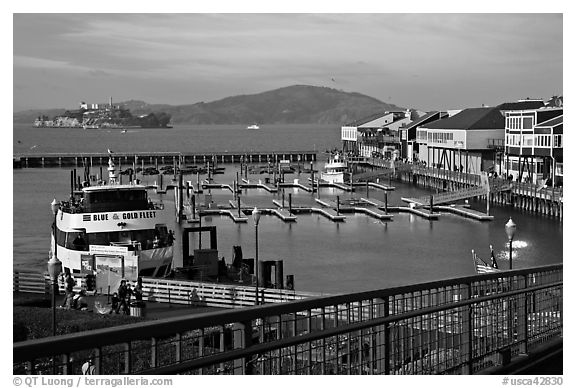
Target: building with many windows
column 534, row 146
column 408, row 134
column 376, row 136
column 460, row 142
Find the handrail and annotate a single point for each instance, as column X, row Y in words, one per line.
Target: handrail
column 430, row 304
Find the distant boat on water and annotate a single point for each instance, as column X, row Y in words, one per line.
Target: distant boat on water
column 253, row 126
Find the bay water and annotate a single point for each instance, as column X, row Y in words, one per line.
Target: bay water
column 359, row 254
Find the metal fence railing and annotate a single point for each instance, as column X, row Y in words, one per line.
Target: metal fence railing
column 455, row 326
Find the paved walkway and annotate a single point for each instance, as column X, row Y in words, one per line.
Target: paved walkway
column 153, row 310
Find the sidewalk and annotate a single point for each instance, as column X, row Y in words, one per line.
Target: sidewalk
column 153, row 310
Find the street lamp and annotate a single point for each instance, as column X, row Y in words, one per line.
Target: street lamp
column 510, row 231
column 54, row 265
column 256, row 216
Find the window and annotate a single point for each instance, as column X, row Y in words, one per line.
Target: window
column 440, row 137
column 558, row 141
column 527, row 123
column 527, row 140
column 513, row 140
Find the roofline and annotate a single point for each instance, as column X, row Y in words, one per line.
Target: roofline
column 542, row 109
column 541, row 125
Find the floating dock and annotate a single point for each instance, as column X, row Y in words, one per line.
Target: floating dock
column 349, row 187
column 296, row 184
column 247, row 184
column 216, row 186
column 462, row 210
column 400, row 209
column 224, row 212
column 373, row 212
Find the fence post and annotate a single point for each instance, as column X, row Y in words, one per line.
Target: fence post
column 242, row 337
column 523, row 304
column 467, row 335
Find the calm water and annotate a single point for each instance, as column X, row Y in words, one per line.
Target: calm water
column 359, row 254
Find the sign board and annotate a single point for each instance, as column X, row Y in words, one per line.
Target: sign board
column 87, row 264
column 108, row 250
column 459, row 143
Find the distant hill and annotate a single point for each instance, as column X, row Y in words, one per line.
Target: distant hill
column 298, row 104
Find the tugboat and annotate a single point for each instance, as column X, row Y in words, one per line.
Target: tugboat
column 334, row 169
column 112, row 231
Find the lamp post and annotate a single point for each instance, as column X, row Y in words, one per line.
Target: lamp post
column 256, row 217
column 54, row 265
column 510, row 228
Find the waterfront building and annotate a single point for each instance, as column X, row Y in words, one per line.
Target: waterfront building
column 534, row 146
column 377, row 135
column 408, row 134
column 460, row 142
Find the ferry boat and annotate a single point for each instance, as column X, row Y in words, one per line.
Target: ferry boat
column 334, row 170
column 114, row 232
column 253, row 126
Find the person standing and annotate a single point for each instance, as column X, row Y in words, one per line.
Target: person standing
column 122, row 295
column 70, row 283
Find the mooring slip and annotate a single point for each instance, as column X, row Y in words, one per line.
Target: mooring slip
column 415, row 211
column 296, row 184
column 381, row 186
column 328, row 210
column 283, row 214
column 373, row 212
column 247, row 184
column 224, row 212
column 214, row 185
column 466, row 212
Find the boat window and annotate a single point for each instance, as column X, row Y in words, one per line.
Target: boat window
column 76, row 241
column 61, row 235
column 125, row 237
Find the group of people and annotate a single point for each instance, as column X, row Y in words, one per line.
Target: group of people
column 72, row 300
column 121, row 298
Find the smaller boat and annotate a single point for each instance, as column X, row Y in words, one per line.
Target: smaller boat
column 334, row 169
column 253, row 126
column 123, row 130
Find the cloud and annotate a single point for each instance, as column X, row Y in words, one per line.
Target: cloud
column 98, row 73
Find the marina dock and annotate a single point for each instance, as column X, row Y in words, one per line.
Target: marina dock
column 248, row 184
column 349, row 187
column 400, row 209
column 462, row 210
column 296, row 184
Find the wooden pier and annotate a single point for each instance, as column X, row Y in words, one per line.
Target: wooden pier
column 156, row 158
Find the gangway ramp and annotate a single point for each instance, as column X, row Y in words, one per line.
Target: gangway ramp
column 448, row 197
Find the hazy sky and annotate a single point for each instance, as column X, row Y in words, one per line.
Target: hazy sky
column 424, row 61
